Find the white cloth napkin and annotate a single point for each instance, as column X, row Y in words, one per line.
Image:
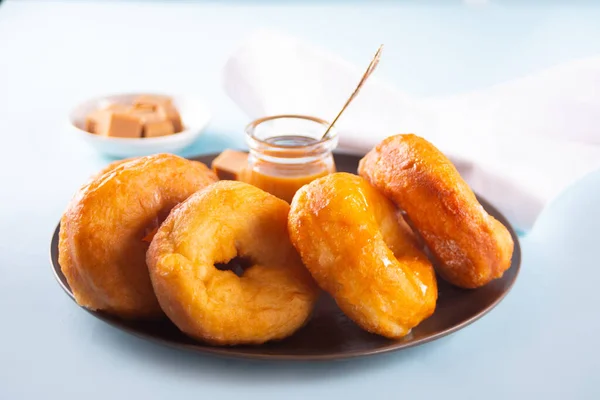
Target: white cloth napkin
column 518, row 143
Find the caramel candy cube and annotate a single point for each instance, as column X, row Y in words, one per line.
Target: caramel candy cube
column 91, row 121
column 117, row 124
column 230, row 165
column 173, row 115
column 157, row 128
column 146, row 114
column 144, row 108
column 154, row 123
column 163, row 105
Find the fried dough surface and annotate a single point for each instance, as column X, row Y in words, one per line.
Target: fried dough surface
column 358, row 248
column 101, row 247
column 471, row 247
column 275, row 295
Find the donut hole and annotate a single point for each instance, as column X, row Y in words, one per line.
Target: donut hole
column 152, row 226
column 238, row 265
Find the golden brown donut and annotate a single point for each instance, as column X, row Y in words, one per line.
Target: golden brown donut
column 358, row 248
column 271, row 300
column 110, row 167
column 101, row 251
column 471, row 247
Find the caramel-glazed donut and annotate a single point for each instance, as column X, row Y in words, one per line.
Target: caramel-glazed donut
column 471, row 247
column 358, row 248
column 102, row 251
column 271, row 300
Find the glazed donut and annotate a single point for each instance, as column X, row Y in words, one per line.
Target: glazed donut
column 101, row 249
column 271, row 300
column 470, row 247
column 358, row 248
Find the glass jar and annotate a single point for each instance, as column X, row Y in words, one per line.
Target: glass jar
column 287, row 152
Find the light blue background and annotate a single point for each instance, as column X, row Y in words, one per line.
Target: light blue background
column 541, row 341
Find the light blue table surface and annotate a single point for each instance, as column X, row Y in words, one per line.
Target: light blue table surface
column 540, row 342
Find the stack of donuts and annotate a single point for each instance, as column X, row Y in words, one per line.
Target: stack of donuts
column 146, row 238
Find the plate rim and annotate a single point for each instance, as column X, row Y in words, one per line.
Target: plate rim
column 232, row 353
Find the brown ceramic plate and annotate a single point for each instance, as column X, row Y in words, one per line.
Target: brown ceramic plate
column 330, row 334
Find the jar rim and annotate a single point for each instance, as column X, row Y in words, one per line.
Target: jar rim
column 252, row 126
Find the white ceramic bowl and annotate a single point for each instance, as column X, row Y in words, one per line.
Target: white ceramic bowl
column 195, row 116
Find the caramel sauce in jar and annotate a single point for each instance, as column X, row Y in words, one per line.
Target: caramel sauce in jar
column 280, row 162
